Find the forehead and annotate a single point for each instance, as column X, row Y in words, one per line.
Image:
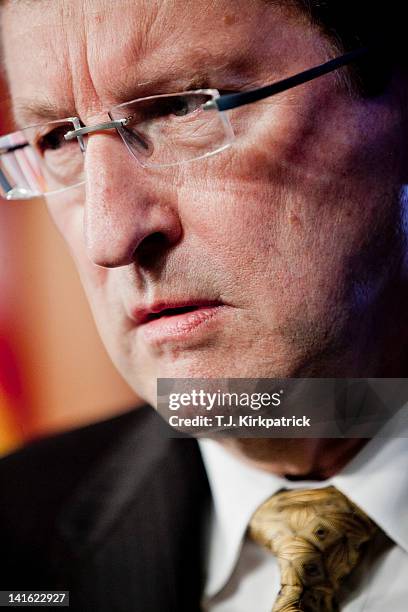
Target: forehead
column 84, row 53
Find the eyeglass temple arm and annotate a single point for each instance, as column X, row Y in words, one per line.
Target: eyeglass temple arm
column 230, row 101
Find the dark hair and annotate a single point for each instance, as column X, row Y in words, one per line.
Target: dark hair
column 350, row 24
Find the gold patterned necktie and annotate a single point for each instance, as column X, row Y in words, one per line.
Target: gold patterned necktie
column 317, row 537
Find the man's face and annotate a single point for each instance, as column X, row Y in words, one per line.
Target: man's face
column 283, row 246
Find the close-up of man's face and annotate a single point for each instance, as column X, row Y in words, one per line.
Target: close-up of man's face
column 276, row 257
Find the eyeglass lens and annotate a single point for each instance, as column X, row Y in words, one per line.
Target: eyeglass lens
column 168, row 130
column 159, row 131
column 37, row 160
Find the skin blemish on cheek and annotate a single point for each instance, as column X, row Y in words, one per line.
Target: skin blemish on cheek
column 294, row 220
column 229, row 19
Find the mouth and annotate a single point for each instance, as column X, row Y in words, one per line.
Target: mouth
column 164, row 322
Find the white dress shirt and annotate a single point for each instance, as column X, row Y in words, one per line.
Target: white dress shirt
column 243, row 577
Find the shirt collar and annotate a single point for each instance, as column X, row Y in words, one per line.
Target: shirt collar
column 237, row 490
column 376, row 480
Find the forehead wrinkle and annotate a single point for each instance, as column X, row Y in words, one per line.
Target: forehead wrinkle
column 152, row 54
column 84, row 89
column 148, row 19
column 102, row 65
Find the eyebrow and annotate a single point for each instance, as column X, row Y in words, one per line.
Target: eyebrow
column 31, row 112
column 169, row 84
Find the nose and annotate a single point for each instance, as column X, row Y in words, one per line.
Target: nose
column 126, row 207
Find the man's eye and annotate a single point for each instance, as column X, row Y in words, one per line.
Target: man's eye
column 165, row 108
column 178, row 106
column 185, row 105
column 53, row 140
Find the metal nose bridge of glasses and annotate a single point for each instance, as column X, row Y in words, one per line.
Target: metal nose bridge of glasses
column 89, row 129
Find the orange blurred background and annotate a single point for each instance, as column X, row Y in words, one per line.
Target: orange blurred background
column 54, row 372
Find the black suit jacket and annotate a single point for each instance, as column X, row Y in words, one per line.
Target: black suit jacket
column 114, row 513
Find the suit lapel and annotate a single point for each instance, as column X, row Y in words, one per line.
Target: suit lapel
column 131, row 536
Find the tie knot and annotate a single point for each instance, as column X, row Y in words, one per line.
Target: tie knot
column 317, row 537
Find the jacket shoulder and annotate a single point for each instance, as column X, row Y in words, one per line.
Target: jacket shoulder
column 36, row 480
column 92, row 510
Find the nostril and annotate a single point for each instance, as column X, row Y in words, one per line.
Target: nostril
column 151, row 249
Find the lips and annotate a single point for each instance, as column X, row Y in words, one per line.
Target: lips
column 161, row 310
column 178, row 321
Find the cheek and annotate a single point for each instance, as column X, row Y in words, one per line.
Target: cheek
column 94, row 279
column 69, row 220
column 296, row 211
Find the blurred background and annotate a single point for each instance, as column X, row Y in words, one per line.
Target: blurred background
column 54, row 372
